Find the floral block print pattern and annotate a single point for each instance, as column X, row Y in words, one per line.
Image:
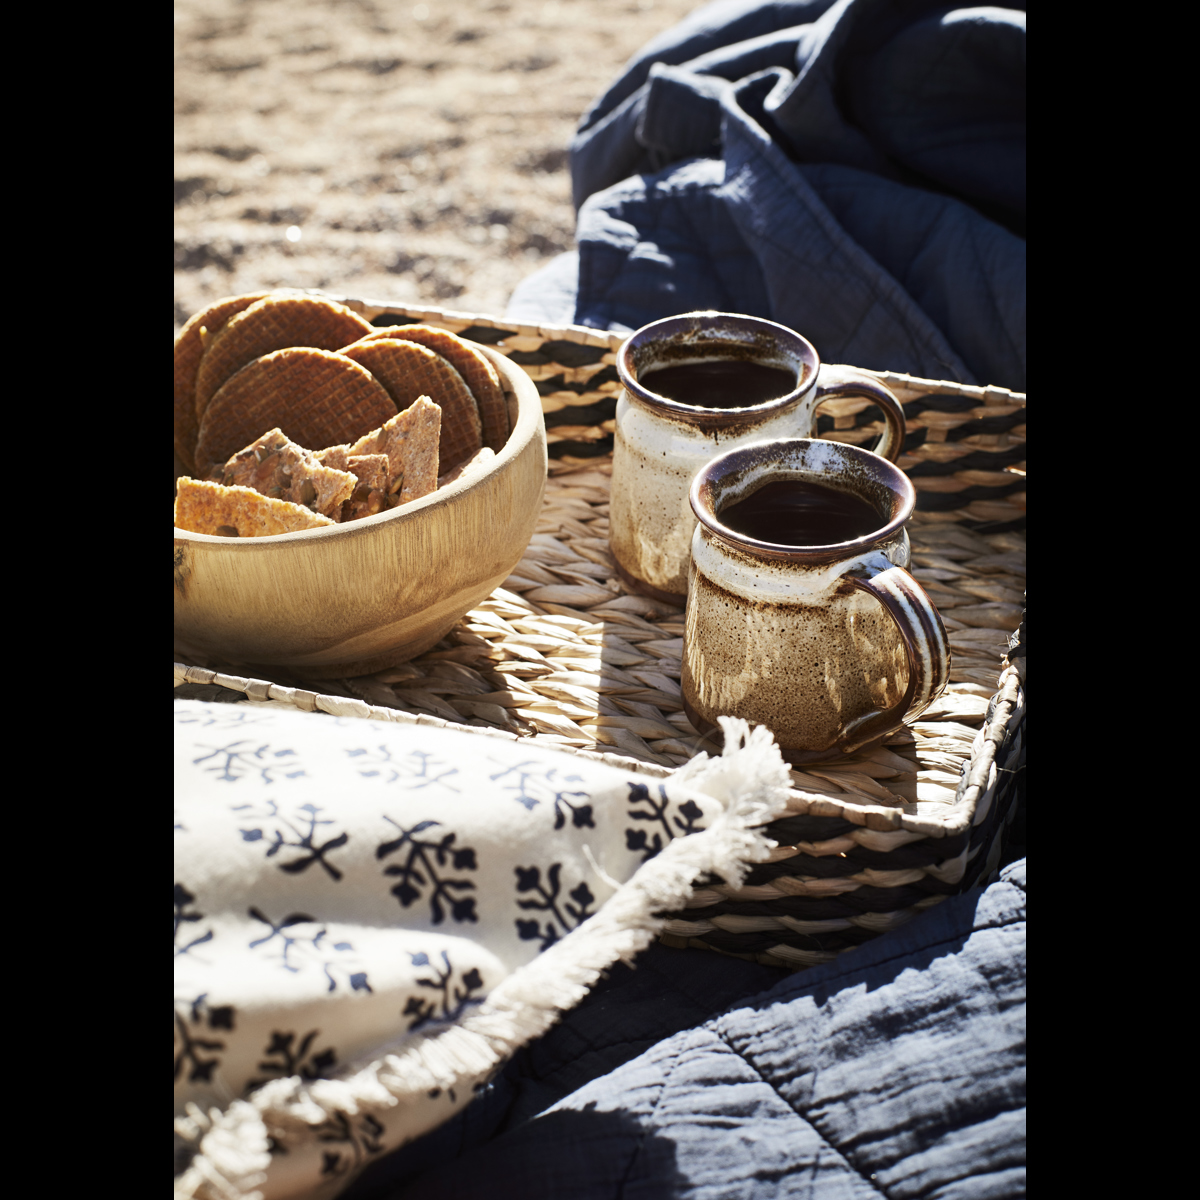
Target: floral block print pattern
column 342, row 886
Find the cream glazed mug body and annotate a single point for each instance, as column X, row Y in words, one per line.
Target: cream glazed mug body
column 832, row 647
column 660, row 443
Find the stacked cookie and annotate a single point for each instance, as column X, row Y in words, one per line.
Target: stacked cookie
column 308, row 384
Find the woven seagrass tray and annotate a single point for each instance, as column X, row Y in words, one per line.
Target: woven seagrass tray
column 562, row 655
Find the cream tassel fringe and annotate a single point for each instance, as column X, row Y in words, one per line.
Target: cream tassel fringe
column 750, row 779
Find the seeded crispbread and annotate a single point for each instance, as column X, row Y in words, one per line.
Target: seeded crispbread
column 371, row 489
column 273, row 323
column 189, row 349
column 337, row 457
column 409, row 370
column 316, row 397
column 410, row 441
column 204, row 507
column 277, row 467
column 479, row 374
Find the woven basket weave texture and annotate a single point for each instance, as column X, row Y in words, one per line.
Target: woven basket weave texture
column 563, row 655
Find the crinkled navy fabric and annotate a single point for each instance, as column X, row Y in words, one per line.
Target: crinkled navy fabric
column 853, row 170
column 945, row 99
column 624, row 1015
column 915, row 90
column 898, row 1070
column 729, row 39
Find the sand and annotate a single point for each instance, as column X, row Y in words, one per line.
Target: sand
column 407, row 152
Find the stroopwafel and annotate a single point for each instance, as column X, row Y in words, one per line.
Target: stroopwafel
column 478, row 374
column 274, row 323
column 316, row 397
column 189, row 349
column 409, row 370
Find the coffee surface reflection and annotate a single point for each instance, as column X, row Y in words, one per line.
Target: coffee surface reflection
column 794, row 512
column 725, row 383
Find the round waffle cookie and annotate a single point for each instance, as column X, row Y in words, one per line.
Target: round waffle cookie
column 189, row 349
column 317, row 398
column 274, row 323
column 408, row 370
column 478, row 374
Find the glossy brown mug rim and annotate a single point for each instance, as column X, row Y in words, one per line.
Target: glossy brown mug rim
column 710, row 321
column 742, row 458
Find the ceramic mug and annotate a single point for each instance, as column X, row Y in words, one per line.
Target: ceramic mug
column 661, row 442
column 831, row 646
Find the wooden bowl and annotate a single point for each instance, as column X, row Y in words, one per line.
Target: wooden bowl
column 351, row 599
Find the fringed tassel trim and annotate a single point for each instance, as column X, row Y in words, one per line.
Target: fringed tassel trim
column 750, row 779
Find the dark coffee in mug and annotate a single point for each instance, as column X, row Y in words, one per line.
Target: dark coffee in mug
column 799, row 616
column 724, row 383
column 794, row 512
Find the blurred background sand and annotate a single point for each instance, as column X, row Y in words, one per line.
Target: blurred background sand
column 411, row 152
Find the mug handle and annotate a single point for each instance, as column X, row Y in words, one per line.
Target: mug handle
column 846, row 381
column 926, row 647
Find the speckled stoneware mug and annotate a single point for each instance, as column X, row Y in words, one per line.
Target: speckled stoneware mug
column 661, row 442
column 832, row 647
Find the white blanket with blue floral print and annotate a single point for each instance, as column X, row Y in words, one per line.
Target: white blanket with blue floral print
column 370, row 918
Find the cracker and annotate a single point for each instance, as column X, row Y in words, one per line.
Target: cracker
column 273, row 323
column 371, row 486
column 410, row 441
column 189, row 349
column 315, row 397
column 204, row 507
column 409, row 370
column 337, row 457
column 478, row 373
column 277, row 467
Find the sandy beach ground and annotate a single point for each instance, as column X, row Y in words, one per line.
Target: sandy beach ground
column 412, row 152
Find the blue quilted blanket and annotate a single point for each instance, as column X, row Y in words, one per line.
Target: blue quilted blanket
column 854, row 170
column 898, row 1070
